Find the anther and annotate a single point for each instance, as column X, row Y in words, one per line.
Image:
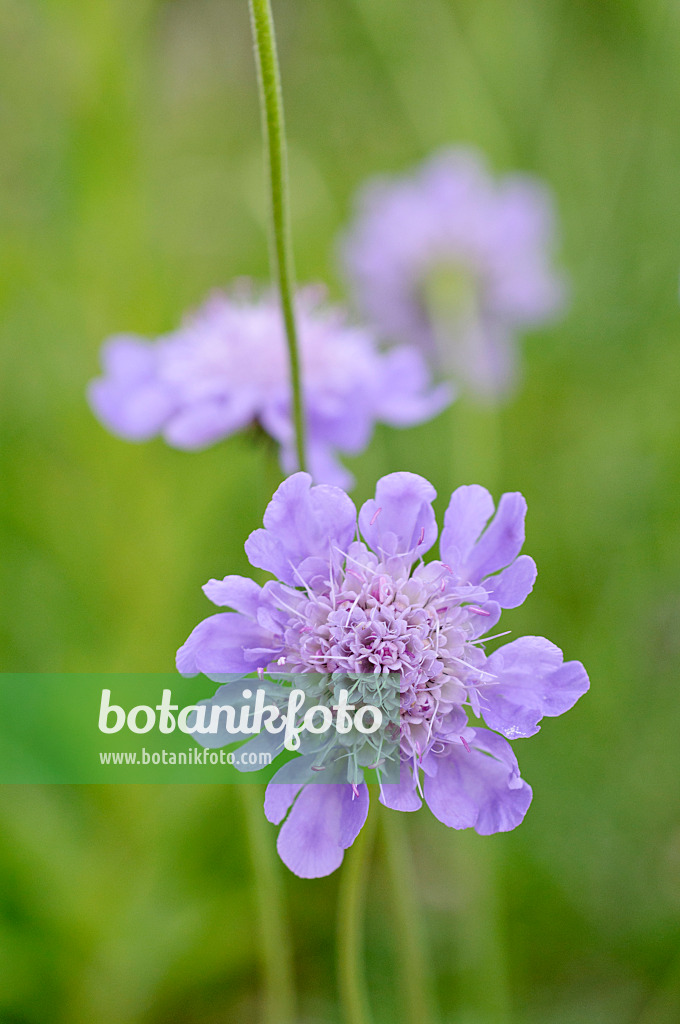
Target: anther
column 478, row 611
column 375, row 515
column 465, row 744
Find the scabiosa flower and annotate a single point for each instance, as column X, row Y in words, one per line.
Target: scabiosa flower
column 355, row 599
column 458, row 261
column 227, row 367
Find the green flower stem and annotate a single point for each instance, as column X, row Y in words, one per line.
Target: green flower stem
column 475, row 445
column 481, row 948
column 450, row 297
column 282, row 255
column 664, row 1003
column 275, row 943
column 413, row 972
column 351, row 905
column 275, row 934
column 477, row 861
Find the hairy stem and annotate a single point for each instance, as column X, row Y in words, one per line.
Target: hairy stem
column 282, row 255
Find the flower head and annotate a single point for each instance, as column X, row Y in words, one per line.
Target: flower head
column 458, row 261
column 226, row 367
column 352, row 598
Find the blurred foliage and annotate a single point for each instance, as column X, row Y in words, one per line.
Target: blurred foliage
column 132, row 184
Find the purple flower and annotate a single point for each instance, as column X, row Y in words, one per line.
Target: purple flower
column 340, row 607
column 227, row 367
column 457, row 261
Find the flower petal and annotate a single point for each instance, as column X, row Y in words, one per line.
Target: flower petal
column 469, row 510
column 237, row 592
column 485, row 623
column 127, row 357
column 203, row 423
column 216, row 647
column 474, row 790
column 501, row 542
column 303, row 771
column 278, row 798
column 354, row 813
column 402, row 795
column 265, row 742
column 301, row 521
column 232, row 694
column 130, row 400
column 400, row 519
column 512, row 586
column 403, row 398
column 532, row 682
column 324, row 821
column 326, row 467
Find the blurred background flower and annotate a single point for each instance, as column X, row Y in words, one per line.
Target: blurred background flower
column 132, row 182
column 458, row 262
column 226, row 368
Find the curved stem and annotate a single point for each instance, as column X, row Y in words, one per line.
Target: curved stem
column 282, row 255
column 351, row 904
column 275, row 939
column 413, row 971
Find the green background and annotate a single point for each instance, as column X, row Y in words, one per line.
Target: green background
column 132, row 184
column 50, row 731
